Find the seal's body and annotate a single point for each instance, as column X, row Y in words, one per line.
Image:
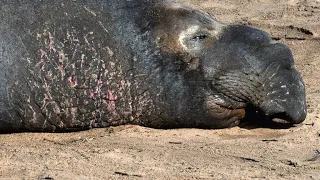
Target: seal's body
column 73, row 65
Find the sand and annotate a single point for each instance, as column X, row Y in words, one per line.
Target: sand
column 134, row 152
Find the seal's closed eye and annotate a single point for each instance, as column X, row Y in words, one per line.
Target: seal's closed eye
column 200, row 37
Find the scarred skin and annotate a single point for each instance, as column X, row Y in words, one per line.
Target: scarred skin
column 74, row 65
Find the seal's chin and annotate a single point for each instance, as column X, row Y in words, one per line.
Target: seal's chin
column 224, row 111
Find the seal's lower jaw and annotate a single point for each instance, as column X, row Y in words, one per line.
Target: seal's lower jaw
column 224, row 116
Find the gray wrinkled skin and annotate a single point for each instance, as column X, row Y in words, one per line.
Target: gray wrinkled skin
column 73, row 65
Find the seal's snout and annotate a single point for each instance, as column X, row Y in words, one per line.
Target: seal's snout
column 293, row 113
column 285, row 96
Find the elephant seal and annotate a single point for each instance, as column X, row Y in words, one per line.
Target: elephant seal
column 69, row 65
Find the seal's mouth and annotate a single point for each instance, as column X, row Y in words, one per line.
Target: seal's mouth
column 230, row 112
column 255, row 117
